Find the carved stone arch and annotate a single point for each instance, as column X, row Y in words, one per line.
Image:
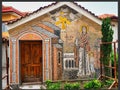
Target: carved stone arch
column 30, row 35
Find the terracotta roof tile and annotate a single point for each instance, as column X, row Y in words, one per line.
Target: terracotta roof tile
column 107, row 15
column 11, row 9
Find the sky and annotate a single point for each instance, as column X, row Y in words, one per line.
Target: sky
column 98, row 8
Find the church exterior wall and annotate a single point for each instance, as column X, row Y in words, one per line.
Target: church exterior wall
column 14, row 53
column 73, row 30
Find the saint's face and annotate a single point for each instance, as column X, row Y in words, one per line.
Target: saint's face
column 84, row 30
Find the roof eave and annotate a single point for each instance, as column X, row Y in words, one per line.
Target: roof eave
column 40, row 12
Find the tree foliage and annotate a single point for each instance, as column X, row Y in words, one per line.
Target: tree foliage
column 107, row 36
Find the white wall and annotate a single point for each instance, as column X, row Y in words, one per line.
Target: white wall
column 3, row 55
column 115, row 29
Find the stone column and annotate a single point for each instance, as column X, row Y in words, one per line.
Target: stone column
column 47, row 55
column 65, row 64
column 13, row 60
column 70, row 63
column 73, row 63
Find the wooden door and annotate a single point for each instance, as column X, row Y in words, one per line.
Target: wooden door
column 31, row 61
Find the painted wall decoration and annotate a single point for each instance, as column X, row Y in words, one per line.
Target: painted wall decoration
column 63, row 21
column 84, row 50
column 73, row 25
column 70, row 23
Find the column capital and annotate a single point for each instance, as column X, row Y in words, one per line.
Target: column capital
column 13, row 40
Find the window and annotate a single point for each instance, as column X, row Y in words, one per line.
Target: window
column 72, row 63
column 59, row 57
column 66, row 63
column 69, row 63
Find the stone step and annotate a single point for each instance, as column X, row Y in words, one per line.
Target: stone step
column 32, row 87
column 32, row 83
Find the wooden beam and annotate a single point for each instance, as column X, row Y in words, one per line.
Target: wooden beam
column 112, row 85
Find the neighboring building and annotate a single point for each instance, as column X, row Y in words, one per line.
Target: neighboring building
column 5, row 36
column 5, row 52
column 9, row 13
column 38, row 41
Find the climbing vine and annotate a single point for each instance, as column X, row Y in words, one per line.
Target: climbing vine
column 107, row 36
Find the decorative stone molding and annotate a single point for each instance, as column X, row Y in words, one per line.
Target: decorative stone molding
column 13, row 60
column 47, row 59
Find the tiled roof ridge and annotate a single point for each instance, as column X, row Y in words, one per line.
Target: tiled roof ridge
column 54, row 3
column 33, row 12
column 107, row 15
column 85, row 9
column 113, row 17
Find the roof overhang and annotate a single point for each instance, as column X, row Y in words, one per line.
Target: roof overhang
column 53, row 7
column 12, row 13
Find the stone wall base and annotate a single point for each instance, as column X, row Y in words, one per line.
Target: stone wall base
column 70, row 74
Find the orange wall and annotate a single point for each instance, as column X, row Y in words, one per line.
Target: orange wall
column 8, row 17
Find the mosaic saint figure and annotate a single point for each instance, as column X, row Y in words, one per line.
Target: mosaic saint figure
column 84, row 48
column 92, row 69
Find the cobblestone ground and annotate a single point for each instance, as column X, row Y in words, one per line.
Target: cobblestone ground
column 4, row 81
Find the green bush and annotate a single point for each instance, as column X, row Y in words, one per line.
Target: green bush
column 67, row 86
column 108, row 82
column 52, row 86
column 94, row 84
column 75, row 86
column 71, row 86
column 48, row 83
column 57, row 86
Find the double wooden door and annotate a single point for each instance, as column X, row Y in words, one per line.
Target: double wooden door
column 31, row 61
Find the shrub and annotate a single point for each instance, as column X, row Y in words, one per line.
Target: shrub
column 94, row 84
column 48, row 83
column 52, row 86
column 72, row 86
column 67, row 86
column 108, row 82
column 75, row 86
